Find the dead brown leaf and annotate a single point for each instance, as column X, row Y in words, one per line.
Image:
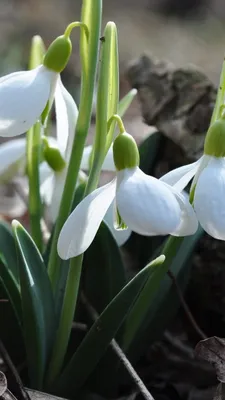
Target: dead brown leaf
column 213, row 351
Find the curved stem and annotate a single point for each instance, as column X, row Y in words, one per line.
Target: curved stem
column 77, row 24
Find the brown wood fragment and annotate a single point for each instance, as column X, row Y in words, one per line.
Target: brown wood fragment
column 178, row 101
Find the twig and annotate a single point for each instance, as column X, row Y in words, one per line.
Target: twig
column 79, row 326
column 18, row 383
column 186, row 308
column 120, row 354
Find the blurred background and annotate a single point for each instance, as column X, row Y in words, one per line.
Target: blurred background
column 183, row 32
column 187, row 31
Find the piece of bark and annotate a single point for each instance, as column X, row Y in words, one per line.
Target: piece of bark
column 178, row 101
column 213, row 351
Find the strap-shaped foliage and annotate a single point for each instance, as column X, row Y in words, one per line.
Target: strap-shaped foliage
column 100, row 335
column 9, row 274
column 37, row 305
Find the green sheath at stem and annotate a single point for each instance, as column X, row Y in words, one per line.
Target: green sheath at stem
column 34, row 155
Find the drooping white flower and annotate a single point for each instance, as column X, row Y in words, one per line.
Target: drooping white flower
column 146, row 205
column 52, row 182
column 25, row 94
column 23, row 97
column 208, row 187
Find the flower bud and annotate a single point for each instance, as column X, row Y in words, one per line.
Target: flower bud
column 215, row 139
column 125, row 152
column 58, row 54
column 53, row 157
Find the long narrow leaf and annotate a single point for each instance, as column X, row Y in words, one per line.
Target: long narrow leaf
column 103, row 265
column 142, row 304
column 37, row 305
column 100, row 335
column 163, row 306
column 9, row 274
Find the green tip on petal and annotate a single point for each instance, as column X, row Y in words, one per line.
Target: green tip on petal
column 53, row 157
column 58, row 54
column 215, row 139
column 15, row 224
column 125, row 152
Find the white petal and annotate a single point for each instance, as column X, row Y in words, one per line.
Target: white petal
column 62, row 125
column 12, row 154
column 146, row 205
column 108, row 164
column 59, row 181
column 120, row 236
column 66, row 119
column 23, row 97
column 47, row 188
column 204, row 160
column 44, row 172
column 189, row 223
column 180, row 177
column 209, row 198
column 85, row 158
column 80, row 228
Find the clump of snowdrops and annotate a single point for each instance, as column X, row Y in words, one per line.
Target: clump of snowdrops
column 49, row 282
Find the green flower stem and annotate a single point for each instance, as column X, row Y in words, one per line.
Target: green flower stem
column 34, row 156
column 73, row 25
column 91, row 16
column 34, row 198
column 107, row 101
column 116, row 118
column 220, row 96
column 67, row 315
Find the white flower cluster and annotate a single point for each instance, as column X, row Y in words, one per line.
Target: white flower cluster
column 145, row 204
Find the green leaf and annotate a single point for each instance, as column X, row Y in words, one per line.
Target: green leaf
column 140, row 308
column 99, row 336
column 104, row 267
column 9, row 274
column 126, row 101
column 37, row 305
column 165, row 303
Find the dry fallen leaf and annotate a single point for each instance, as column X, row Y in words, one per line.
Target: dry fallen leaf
column 3, row 383
column 213, row 351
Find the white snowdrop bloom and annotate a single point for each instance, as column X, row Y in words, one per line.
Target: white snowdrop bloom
column 12, row 156
column 208, row 186
column 24, row 95
column 146, row 205
column 52, row 182
column 121, row 236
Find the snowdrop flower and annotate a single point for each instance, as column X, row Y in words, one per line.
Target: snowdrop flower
column 25, row 95
column 53, row 179
column 208, row 187
column 143, row 203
